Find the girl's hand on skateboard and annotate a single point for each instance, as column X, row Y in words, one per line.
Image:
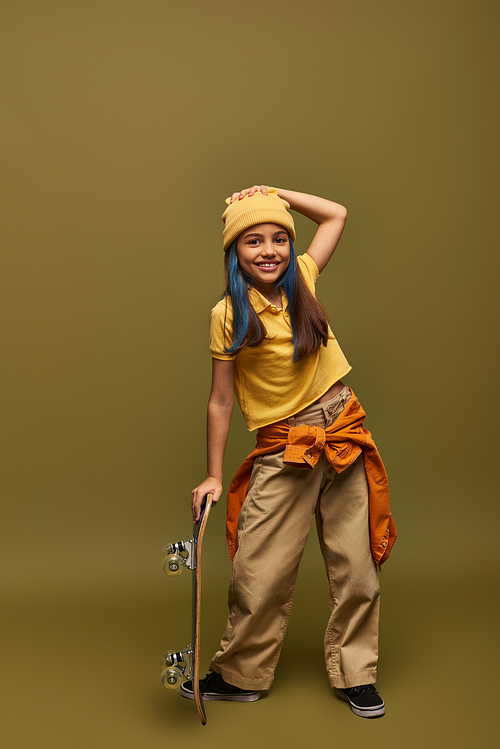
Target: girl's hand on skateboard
column 210, row 485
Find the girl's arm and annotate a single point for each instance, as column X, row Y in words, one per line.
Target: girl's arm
column 220, row 409
column 329, row 216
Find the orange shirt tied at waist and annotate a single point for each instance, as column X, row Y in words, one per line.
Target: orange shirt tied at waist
column 342, row 442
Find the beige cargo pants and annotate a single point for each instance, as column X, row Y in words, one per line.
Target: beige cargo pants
column 273, row 527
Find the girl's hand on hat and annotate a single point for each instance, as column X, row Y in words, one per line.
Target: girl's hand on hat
column 249, row 191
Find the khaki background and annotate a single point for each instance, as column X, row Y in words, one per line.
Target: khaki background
column 124, row 127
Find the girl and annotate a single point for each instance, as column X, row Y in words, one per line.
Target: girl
column 272, row 346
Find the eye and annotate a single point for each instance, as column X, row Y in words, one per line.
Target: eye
column 253, row 242
column 280, row 240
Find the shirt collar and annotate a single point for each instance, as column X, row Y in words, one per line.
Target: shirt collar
column 260, row 303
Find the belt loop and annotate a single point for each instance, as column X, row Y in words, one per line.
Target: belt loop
column 291, row 421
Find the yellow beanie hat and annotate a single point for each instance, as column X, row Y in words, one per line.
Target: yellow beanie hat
column 255, row 209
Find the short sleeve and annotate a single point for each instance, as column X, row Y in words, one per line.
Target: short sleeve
column 221, row 330
column 309, row 270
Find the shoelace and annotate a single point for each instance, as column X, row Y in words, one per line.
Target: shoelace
column 208, row 680
column 363, row 688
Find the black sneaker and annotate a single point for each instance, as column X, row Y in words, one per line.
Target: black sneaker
column 365, row 701
column 213, row 687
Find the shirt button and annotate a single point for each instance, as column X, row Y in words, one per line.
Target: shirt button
column 384, row 544
column 309, row 455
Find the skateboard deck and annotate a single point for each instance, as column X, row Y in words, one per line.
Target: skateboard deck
column 184, row 665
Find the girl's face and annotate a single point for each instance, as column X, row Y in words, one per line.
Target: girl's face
column 263, row 252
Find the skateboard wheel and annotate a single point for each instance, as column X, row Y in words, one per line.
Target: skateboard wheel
column 171, row 677
column 166, row 661
column 164, row 551
column 173, row 564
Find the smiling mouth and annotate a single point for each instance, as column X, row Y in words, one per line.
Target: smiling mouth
column 267, row 265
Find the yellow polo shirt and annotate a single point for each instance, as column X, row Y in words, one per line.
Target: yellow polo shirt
column 269, row 386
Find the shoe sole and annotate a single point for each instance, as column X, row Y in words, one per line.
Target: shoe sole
column 250, row 697
column 363, row 712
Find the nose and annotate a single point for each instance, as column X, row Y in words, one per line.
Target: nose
column 268, row 249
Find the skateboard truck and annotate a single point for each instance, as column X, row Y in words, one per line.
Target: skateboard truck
column 179, row 555
column 176, row 667
column 184, row 665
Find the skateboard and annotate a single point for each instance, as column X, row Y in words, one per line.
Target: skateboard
column 184, row 665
